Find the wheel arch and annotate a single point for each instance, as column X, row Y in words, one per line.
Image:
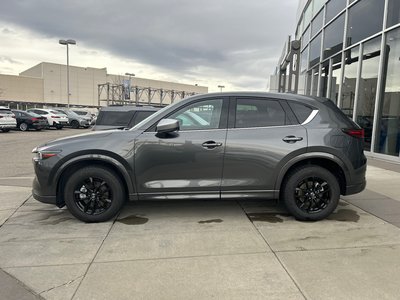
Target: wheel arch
column 325, row 160
column 92, row 160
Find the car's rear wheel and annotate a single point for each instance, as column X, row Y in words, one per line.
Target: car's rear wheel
column 94, row 194
column 23, row 127
column 311, row 193
column 59, row 127
column 75, row 124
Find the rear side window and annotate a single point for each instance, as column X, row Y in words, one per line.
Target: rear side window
column 301, row 111
column 115, row 118
column 259, row 113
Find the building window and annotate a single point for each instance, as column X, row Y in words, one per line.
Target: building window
column 360, row 26
column 334, row 7
column 333, row 37
column 315, row 50
column 388, row 134
column 324, row 78
column 393, row 16
column 317, row 23
column 317, row 5
column 307, row 16
column 305, row 38
column 367, row 88
column 304, row 60
column 335, row 80
column 314, row 89
column 349, row 81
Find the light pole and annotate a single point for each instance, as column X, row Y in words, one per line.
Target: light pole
column 130, row 76
column 221, row 87
column 67, row 42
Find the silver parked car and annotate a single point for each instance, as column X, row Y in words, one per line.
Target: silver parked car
column 301, row 150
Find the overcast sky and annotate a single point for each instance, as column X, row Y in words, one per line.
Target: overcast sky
column 206, row 42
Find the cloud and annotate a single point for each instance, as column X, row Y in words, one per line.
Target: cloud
column 177, row 37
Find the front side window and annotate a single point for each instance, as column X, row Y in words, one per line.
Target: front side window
column 201, row 115
column 259, row 113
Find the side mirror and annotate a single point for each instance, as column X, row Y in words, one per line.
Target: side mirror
column 167, row 125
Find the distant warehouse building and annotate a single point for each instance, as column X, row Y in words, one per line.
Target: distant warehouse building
column 46, row 85
column 349, row 51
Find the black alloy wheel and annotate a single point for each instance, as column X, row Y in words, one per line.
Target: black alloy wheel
column 311, row 192
column 75, row 124
column 94, row 194
column 312, row 195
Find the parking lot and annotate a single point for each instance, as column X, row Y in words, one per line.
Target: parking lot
column 194, row 249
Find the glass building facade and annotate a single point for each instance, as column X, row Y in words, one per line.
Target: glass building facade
column 350, row 53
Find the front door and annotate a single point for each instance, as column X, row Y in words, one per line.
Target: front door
column 187, row 163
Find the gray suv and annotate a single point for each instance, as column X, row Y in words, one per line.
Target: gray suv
column 299, row 149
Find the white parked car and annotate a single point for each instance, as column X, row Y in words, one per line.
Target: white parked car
column 7, row 119
column 55, row 118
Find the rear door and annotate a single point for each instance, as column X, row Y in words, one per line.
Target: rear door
column 263, row 133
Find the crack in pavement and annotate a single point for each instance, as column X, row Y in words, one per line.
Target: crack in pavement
column 61, row 285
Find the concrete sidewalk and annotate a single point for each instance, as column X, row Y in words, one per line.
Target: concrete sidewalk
column 205, row 249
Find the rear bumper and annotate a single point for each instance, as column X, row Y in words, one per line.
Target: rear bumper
column 3, row 126
column 356, row 188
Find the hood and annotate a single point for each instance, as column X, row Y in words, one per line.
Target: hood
column 81, row 137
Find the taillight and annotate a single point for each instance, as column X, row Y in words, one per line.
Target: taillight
column 35, row 119
column 357, row 133
column 55, row 117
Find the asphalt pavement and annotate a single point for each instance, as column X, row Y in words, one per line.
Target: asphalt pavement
column 194, row 249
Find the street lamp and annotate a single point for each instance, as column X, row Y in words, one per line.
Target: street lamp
column 130, row 76
column 66, row 43
column 221, row 87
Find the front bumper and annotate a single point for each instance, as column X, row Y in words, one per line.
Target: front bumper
column 40, row 193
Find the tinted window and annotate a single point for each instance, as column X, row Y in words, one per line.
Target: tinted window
column 301, row 111
column 141, row 115
column 115, row 118
column 316, row 24
column 333, row 8
column 259, row 113
column 393, row 16
column 315, row 50
column 200, row 115
column 360, row 26
column 333, row 37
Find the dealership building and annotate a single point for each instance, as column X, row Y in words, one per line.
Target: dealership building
column 45, row 85
column 349, row 51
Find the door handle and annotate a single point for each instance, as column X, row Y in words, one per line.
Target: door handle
column 292, row 139
column 211, row 144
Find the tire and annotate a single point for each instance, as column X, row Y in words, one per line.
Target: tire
column 311, row 193
column 59, row 127
column 23, row 127
column 75, row 124
column 87, row 190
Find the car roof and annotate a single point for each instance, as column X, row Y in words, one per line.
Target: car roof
column 129, row 108
column 281, row 96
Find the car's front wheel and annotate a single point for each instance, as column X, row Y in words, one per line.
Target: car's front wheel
column 94, row 194
column 311, row 193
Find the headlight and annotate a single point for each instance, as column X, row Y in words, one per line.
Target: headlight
column 42, row 153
